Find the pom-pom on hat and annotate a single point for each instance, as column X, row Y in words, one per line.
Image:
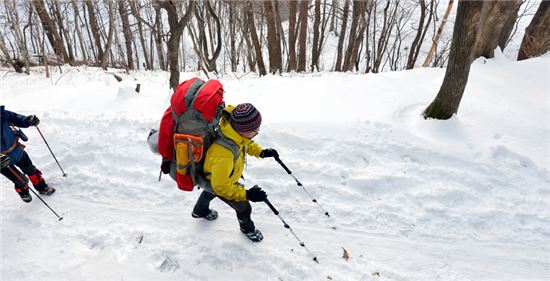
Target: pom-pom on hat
column 245, row 118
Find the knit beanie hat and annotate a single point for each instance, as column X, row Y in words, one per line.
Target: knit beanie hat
column 245, row 118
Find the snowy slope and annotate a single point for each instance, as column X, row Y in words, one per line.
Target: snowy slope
column 463, row 199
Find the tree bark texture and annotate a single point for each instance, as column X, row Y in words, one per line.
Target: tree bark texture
column 255, row 39
column 494, row 16
column 536, row 40
column 273, row 42
column 302, row 41
column 51, row 30
column 448, row 98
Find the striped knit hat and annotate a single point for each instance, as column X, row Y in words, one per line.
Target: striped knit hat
column 245, row 118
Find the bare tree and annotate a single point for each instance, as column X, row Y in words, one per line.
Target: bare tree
column 13, row 18
column 358, row 26
column 437, row 36
column 420, row 32
column 273, row 42
column 176, row 25
column 292, row 34
column 470, row 40
column 255, row 39
column 77, row 21
column 51, row 30
column 105, row 57
column 123, row 11
column 63, row 32
column 315, row 46
column 200, row 40
column 536, row 40
column 342, row 37
column 95, row 30
column 139, row 20
column 303, row 36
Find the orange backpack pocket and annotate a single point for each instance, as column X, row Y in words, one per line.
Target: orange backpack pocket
column 189, row 151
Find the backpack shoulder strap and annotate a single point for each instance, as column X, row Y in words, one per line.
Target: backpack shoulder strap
column 229, row 144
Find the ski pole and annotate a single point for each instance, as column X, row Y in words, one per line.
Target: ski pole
column 291, row 231
column 301, row 185
column 64, row 175
column 19, row 177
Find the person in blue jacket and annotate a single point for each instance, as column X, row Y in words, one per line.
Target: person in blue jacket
column 13, row 154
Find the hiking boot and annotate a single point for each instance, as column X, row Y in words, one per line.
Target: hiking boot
column 254, row 235
column 212, row 215
column 47, row 191
column 25, row 196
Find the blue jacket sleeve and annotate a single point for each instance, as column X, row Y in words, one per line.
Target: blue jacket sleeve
column 15, row 119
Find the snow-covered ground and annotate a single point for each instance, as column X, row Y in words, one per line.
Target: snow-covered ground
column 410, row 199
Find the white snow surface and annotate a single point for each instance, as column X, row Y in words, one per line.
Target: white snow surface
column 410, row 199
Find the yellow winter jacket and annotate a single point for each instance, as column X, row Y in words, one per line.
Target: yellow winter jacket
column 220, row 166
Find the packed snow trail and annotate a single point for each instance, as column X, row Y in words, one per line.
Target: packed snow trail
column 462, row 199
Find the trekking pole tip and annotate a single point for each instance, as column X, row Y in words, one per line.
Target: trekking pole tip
column 64, row 175
column 315, row 259
column 61, row 218
column 326, row 213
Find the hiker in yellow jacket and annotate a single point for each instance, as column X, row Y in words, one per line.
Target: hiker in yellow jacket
column 224, row 165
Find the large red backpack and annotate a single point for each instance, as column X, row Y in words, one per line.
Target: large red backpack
column 188, row 127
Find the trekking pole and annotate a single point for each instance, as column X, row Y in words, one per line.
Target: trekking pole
column 64, row 175
column 301, row 185
column 19, row 177
column 291, row 231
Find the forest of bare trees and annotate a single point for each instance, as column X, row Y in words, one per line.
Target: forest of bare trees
column 266, row 36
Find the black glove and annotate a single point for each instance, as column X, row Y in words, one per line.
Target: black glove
column 165, row 166
column 269, row 152
column 256, row 194
column 4, row 161
column 32, row 120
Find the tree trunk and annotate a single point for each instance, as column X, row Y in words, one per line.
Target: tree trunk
column 255, row 39
column 105, row 57
column 302, row 41
column 315, row 45
column 292, row 32
column 135, row 13
column 5, row 50
column 333, row 20
column 232, row 36
column 494, row 16
column 176, row 29
column 448, row 98
column 13, row 17
column 95, row 31
column 273, row 42
column 51, row 30
column 420, row 33
column 438, row 34
column 536, row 40
column 78, row 31
column 156, row 35
column 63, row 31
column 123, row 11
column 338, row 66
column 355, row 22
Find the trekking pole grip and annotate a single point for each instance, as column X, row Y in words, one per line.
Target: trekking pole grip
column 283, row 165
column 271, row 207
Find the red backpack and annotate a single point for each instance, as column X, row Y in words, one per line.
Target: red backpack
column 188, row 127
